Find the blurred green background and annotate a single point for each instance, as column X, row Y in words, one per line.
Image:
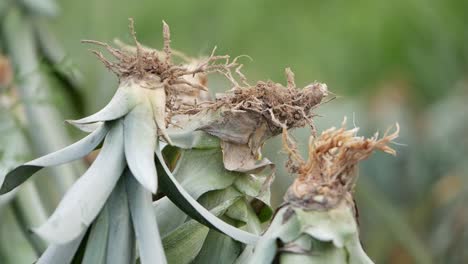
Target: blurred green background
column 402, row 61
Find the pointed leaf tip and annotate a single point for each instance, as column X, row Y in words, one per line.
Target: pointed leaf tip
column 75, row 151
column 123, row 102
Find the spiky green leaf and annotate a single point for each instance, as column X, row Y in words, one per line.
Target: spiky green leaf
column 190, row 206
column 144, row 222
column 73, row 152
column 84, row 200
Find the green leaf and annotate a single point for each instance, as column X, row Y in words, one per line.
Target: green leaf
column 84, row 200
column 14, row 147
column 183, row 244
column 61, row 253
column 95, row 252
column 216, row 247
column 73, row 152
column 187, row 136
column 256, row 185
column 168, row 214
column 327, row 237
column 86, row 127
column 242, row 211
column 336, row 225
column 356, row 253
column 201, row 171
column 194, row 139
column 140, row 142
column 121, row 234
column 190, row 206
column 284, row 226
column 144, row 222
column 124, row 100
column 315, row 252
column 198, row 171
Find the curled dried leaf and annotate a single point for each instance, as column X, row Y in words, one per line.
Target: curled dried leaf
column 329, row 174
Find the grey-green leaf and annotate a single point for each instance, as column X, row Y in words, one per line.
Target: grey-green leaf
column 186, row 135
column 336, row 225
column 242, row 211
column 87, row 196
column 218, row 247
column 73, row 152
column 183, row 244
column 190, row 206
column 123, row 102
column 202, row 170
column 60, row 253
column 283, row 227
column 168, row 214
column 121, row 234
column 144, row 222
column 198, row 171
column 315, row 252
column 86, row 127
column 96, row 246
column 140, row 142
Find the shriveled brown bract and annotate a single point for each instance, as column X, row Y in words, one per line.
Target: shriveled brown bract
column 283, row 107
column 329, row 174
column 249, row 115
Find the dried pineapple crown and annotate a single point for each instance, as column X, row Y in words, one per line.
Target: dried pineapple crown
column 329, row 174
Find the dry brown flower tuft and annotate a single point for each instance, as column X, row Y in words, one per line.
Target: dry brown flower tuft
column 329, row 174
column 282, row 107
column 141, row 62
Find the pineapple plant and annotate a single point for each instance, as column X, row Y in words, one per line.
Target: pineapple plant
column 180, row 177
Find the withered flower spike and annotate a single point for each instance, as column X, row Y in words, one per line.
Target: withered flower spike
column 291, row 149
column 139, row 49
column 279, row 106
column 115, row 52
column 193, row 85
column 330, row 170
column 167, row 41
column 106, row 63
column 290, row 78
